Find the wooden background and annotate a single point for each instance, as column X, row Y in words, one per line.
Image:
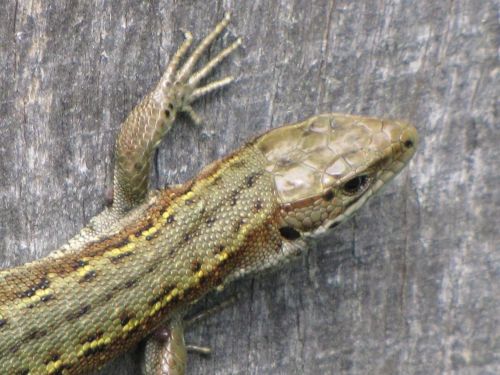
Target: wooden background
column 408, row 286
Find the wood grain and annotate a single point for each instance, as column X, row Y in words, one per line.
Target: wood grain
column 408, row 286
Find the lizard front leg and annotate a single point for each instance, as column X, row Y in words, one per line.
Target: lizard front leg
column 153, row 117
column 147, row 124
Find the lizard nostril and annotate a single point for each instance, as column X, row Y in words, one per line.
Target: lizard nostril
column 409, row 138
column 408, row 143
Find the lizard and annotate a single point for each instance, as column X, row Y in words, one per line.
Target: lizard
column 134, row 271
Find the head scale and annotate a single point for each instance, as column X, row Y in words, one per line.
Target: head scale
column 326, row 167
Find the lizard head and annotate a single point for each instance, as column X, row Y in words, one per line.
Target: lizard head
column 326, row 167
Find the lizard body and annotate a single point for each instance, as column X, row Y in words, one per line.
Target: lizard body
column 139, row 265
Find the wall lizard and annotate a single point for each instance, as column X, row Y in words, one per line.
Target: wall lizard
column 133, row 272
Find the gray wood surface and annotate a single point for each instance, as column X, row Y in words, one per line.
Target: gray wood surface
column 408, row 286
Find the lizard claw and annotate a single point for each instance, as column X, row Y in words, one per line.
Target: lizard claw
column 184, row 76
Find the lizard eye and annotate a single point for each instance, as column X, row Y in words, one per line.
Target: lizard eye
column 356, row 184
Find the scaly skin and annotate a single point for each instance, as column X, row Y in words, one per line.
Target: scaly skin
column 143, row 262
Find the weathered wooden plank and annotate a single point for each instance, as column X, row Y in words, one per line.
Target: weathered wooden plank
column 409, row 286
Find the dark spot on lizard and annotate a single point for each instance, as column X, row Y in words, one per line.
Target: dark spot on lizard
column 27, row 293
column 204, row 281
column 408, row 143
column 79, row 264
column 119, row 257
column 89, row 276
column 125, row 318
column 250, row 179
column 234, row 197
column 329, row 195
column 195, row 265
column 116, row 259
column 35, row 334
column 151, row 268
column 217, row 180
column 14, row 348
column 238, row 225
column 121, row 243
column 47, row 297
column 257, row 205
column 42, row 284
column 92, row 337
column 239, row 164
column 210, row 220
column 130, row 283
column 3, row 322
column 78, row 314
column 171, row 219
column 52, row 358
column 95, row 350
column 289, row 233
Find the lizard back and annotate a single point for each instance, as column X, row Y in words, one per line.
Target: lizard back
column 80, row 309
